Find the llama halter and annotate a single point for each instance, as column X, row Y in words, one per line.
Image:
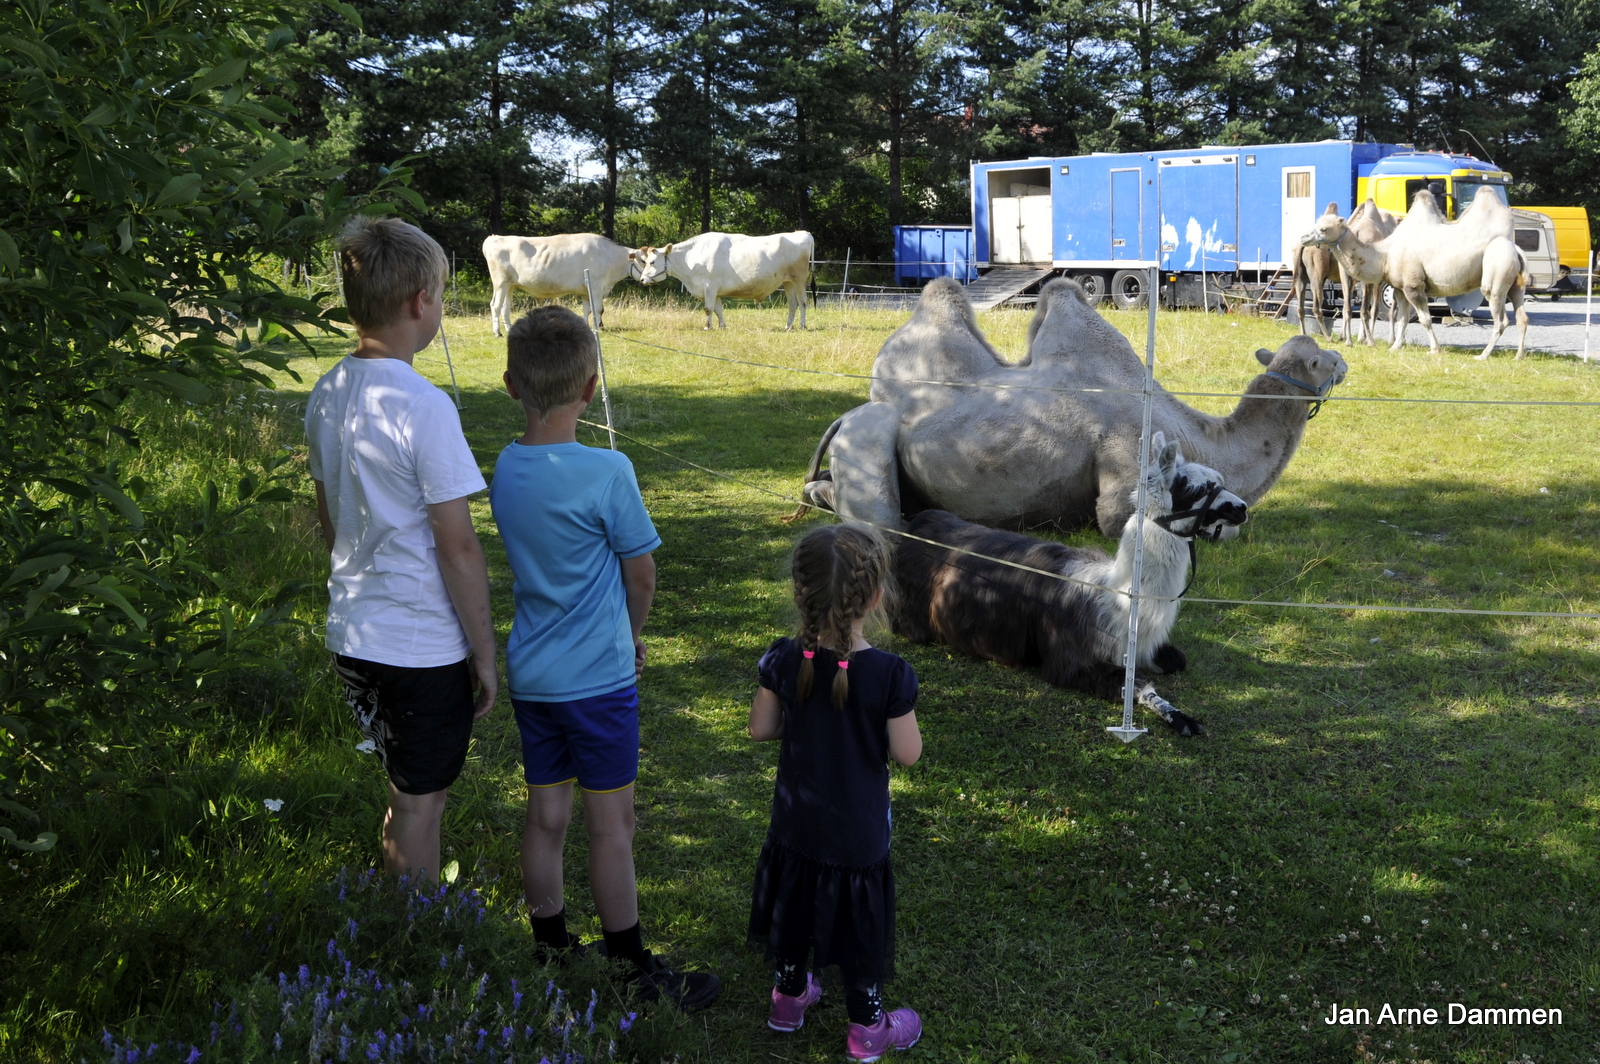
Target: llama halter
column 1321, row 393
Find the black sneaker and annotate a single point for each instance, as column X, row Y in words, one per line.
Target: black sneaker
column 690, row 991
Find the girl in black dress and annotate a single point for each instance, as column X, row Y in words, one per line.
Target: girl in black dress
column 824, row 883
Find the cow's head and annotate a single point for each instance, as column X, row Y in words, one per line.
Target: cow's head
column 649, row 264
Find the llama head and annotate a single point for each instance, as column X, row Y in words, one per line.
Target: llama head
column 1201, row 507
column 1186, row 498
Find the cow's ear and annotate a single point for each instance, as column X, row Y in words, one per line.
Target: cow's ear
column 1263, row 356
column 666, row 249
column 632, row 255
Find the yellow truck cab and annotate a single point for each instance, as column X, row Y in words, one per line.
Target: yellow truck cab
column 1394, row 181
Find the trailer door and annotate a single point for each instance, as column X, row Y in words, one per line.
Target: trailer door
column 1126, row 216
column 1299, row 207
column 1199, row 205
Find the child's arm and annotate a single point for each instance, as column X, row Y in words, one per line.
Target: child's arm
column 639, row 583
column 905, row 739
column 766, row 716
column 324, row 518
column 466, row 577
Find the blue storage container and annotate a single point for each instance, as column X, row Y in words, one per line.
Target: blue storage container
column 923, row 252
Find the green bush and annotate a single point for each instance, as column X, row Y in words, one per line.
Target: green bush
column 141, row 181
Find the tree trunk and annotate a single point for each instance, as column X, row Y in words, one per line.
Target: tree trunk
column 608, row 203
column 709, row 146
column 497, row 180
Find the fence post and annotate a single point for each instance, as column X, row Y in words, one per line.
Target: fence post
column 1127, row 732
column 1588, row 308
column 455, row 297
column 844, row 289
column 605, row 393
column 449, row 362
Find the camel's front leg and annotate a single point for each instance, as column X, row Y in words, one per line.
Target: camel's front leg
column 1418, row 298
column 864, row 467
column 1522, row 319
column 1344, row 300
column 1369, row 314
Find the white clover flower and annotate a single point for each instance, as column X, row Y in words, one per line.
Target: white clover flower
column 1424, row 923
column 366, row 746
column 273, row 804
column 1366, row 919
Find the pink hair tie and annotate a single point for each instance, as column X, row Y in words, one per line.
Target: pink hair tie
column 808, row 654
column 844, row 664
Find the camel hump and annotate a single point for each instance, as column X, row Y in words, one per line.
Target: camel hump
column 1065, row 327
column 940, row 342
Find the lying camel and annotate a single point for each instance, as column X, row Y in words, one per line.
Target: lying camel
column 1029, row 446
column 1427, row 257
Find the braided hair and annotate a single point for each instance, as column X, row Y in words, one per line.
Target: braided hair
column 837, row 570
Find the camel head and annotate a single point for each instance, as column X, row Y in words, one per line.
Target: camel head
column 1328, row 229
column 649, row 264
column 1301, row 363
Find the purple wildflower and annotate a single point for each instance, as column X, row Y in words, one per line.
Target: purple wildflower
column 105, row 1039
column 444, row 960
column 193, row 1057
column 374, row 1051
column 303, row 977
column 331, row 947
column 516, row 1001
column 350, row 927
column 482, row 1034
column 549, row 987
column 214, row 1032
column 277, row 1042
column 627, row 1021
column 483, row 986
column 133, row 1056
column 507, row 1034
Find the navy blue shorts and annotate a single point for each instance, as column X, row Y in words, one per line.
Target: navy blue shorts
column 592, row 740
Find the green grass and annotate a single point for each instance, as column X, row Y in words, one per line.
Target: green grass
column 1062, row 897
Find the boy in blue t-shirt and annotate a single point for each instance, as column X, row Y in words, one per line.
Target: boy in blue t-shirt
column 579, row 540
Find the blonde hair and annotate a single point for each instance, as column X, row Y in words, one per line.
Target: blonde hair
column 386, row 262
column 550, row 354
column 837, row 570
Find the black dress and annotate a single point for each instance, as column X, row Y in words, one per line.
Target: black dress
column 824, row 880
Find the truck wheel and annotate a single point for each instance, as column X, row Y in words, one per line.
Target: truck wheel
column 1128, row 289
column 1093, row 285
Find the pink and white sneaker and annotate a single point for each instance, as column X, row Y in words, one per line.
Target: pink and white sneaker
column 899, row 1029
column 789, row 1013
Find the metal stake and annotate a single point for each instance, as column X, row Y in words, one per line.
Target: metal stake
column 1205, row 297
column 455, row 298
column 1128, row 732
column 844, row 289
column 448, row 362
column 605, row 394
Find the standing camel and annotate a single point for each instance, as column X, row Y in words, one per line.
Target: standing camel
column 1313, row 263
column 1427, row 257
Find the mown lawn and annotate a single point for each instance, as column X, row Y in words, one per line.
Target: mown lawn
column 1390, row 808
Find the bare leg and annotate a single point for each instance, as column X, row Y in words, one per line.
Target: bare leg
column 544, row 836
column 411, row 832
column 609, row 820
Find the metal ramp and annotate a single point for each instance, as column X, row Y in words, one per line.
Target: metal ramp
column 1004, row 282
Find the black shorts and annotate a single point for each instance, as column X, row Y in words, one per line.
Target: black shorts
column 418, row 720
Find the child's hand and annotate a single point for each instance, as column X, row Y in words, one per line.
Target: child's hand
column 639, row 653
column 488, row 682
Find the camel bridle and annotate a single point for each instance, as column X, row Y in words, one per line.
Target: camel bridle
column 1321, row 393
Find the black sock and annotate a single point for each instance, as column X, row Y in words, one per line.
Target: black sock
column 626, row 945
column 551, row 931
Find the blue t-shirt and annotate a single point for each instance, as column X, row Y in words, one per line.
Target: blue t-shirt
column 567, row 513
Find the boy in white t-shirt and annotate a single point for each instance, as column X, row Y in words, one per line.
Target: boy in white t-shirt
column 408, row 612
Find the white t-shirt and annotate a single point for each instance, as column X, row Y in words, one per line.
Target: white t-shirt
column 385, row 443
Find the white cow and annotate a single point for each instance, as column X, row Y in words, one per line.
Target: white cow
column 714, row 265
column 548, row 267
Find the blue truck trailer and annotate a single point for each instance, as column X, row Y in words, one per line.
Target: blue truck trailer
column 1233, row 213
